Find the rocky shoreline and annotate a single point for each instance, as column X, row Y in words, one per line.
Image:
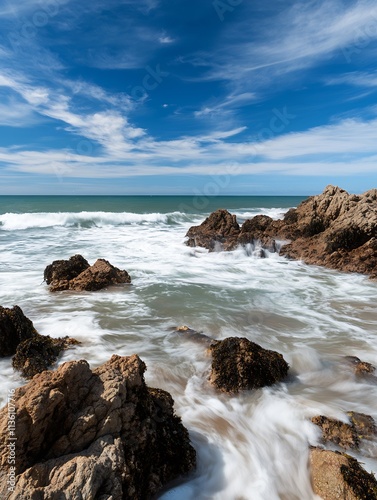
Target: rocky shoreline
column 103, row 434
column 334, row 229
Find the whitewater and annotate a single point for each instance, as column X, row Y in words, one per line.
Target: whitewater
column 251, row 446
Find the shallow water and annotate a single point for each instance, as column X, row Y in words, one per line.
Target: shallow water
column 255, row 445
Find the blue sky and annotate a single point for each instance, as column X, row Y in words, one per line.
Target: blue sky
column 187, row 97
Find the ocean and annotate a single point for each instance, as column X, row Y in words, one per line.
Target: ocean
column 250, row 446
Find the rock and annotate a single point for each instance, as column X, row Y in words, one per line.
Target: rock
column 338, row 476
column 77, row 274
column 96, row 434
column 334, row 229
column 190, row 334
column 361, row 368
column 340, row 433
column 364, row 425
column 219, row 231
column 65, row 270
column 14, row 328
column 38, row 353
column 238, row 363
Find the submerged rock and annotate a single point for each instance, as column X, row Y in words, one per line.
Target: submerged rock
column 15, row 327
column 38, row 353
column 95, row 434
column 361, row 368
column 77, row 274
column 219, row 231
column 338, row 476
column 190, row 334
column 334, row 229
column 238, row 363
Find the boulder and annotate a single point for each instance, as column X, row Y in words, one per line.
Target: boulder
column 38, row 353
column 219, row 231
column 364, row 425
column 77, row 274
column 15, row 327
column 238, row 363
column 338, row 432
column 96, row 434
column 338, row 476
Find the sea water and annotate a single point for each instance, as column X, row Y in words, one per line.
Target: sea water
column 250, row 446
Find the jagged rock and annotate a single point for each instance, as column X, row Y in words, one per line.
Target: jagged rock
column 238, row 363
column 65, row 270
column 340, row 433
column 219, row 230
column 364, row 425
column 95, row 434
column 38, row 353
column 14, row 328
column 338, row 476
column 334, row 229
column 361, row 368
column 77, row 274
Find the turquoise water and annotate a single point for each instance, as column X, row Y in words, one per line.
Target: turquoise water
column 253, row 446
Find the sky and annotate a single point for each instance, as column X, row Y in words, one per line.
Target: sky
column 193, row 97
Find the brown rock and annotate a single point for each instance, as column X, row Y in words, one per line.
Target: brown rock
column 93, row 434
column 100, row 275
column 258, row 229
column 338, row 476
column 361, row 368
column 190, row 334
column 238, row 363
column 14, row 328
column 364, row 425
column 38, row 353
column 340, row 433
column 219, row 231
column 76, row 274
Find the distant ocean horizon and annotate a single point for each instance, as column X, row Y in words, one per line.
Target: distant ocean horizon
column 255, row 444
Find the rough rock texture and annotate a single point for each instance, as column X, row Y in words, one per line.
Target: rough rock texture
column 76, row 274
column 14, row 328
column 364, row 425
column 334, row 229
column 238, row 363
column 94, row 434
column 38, row 353
column 361, row 368
column 337, row 476
column 219, row 231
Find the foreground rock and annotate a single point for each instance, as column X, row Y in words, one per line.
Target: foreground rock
column 33, row 352
column 338, row 476
column 238, row 363
column 15, row 327
column 95, row 434
column 39, row 353
column 334, row 229
column 77, row 274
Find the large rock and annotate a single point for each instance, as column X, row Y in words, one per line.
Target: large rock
column 334, row 229
column 95, row 434
column 14, row 328
column 77, row 274
column 219, row 231
column 238, row 363
column 338, row 476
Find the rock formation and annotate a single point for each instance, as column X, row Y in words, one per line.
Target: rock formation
column 95, row 434
column 33, row 352
column 14, row 328
column 77, row 274
column 334, row 229
column 238, row 363
column 338, row 476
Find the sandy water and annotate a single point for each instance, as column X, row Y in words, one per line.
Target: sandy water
column 255, row 445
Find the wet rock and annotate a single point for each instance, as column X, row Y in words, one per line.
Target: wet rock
column 361, row 368
column 258, row 229
column 15, row 327
column 77, row 274
column 364, row 425
column 38, row 353
column 338, row 476
column 190, row 334
column 219, row 231
column 238, row 363
column 94, row 434
column 338, row 432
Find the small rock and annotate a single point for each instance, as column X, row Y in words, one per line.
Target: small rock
column 361, row 368
column 364, row 425
column 65, row 270
column 338, row 432
column 238, row 363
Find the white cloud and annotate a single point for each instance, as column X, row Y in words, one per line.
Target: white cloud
column 166, row 39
